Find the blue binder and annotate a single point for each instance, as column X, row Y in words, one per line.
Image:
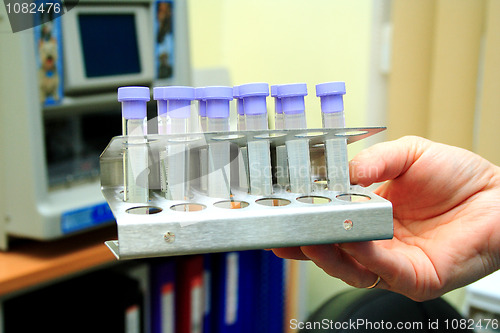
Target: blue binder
column 207, row 289
column 270, row 316
column 235, row 291
column 163, row 296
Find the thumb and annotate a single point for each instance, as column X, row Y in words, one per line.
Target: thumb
column 385, row 161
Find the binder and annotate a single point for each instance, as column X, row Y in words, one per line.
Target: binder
column 248, row 286
column 225, row 292
column 189, row 300
column 163, row 296
column 207, row 293
column 235, row 291
column 271, row 293
column 97, row 302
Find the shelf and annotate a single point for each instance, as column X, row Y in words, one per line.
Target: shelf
column 30, row 263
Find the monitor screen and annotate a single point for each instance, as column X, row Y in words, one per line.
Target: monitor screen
column 109, row 44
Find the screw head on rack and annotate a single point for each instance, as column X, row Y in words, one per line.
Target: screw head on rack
column 347, row 225
column 169, row 237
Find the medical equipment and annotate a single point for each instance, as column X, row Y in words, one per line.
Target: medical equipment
column 259, row 158
column 278, row 111
column 332, row 112
column 174, row 113
column 240, row 111
column 59, row 124
column 219, row 172
column 135, row 155
column 299, row 161
column 231, row 217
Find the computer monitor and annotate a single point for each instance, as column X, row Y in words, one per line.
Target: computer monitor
column 107, row 46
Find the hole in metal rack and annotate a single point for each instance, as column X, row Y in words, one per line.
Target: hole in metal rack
column 185, row 139
column 314, row 200
column 269, row 135
column 144, row 210
column 137, row 141
column 231, row 204
column 188, row 207
column 353, row 197
column 309, row 134
column 273, row 202
column 227, row 137
column 350, row 133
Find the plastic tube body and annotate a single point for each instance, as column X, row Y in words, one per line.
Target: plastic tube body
column 219, row 171
column 333, row 119
column 259, row 155
column 299, row 161
column 174, row 113
column 295, row 121
column 256, row 122
column 135, row 154
column 279, row 121
column 332, row 108
column 134, row 127
column 278, row 110
column 218, row 125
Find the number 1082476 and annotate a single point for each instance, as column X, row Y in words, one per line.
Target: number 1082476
column 33, row 8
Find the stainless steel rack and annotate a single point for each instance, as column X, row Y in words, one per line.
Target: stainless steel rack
column 242, row 221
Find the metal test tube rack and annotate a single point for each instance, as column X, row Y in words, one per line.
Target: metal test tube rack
column 203, row 224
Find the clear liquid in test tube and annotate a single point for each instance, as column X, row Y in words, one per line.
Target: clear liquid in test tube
column 278, row 110
column 202, row 108
column 259, row 157
column 174, row 113
column 219, row 176
column 202, row 152
column 332, row 111
column 135, row 156
column 281, row 172
column 240, row 110
column 243, row 173
column 299, row 161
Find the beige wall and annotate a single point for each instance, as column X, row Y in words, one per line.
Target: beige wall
column 445, row 73
column 287, row 41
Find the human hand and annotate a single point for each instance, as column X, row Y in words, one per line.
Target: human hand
column 446, row 207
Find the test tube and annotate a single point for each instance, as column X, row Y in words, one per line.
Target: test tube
column 259, row 158
column 278, row 111
column 332, row 112
column 282, row 176
column 243, row 173
column 202, row 152
column 293, row 106
column 174, row 113
column 202, row 108
column 241, row 126
column 219, row 180
column 299, row 162
column 135, row 157
column 254, row 101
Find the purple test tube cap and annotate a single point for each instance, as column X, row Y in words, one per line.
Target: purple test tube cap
column 202, row 104
column 277, row 100
column 239, row 101
column 254, row 97
column 174, row 92
column 217, row 98
column 292, row 97
column 133, row 101
column 331, row 96
column 174, row 100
